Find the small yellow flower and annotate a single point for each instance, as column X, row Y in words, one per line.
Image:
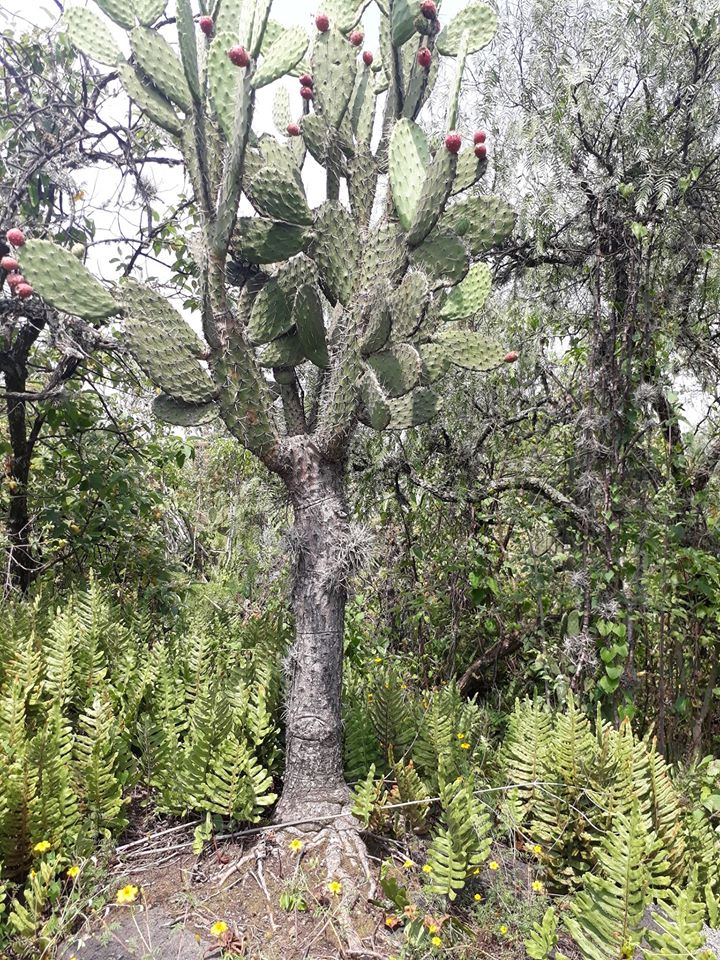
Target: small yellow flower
column 464, row 746
column 73, row 871
column 427, row 868
column 128, row 894
column 477, row 898
column 378, row 659
column 408, row 864
column 537, row 849
column 436, row 942
column 296, row 845
column 494, row 865
column 537, row 886
column 370, row 696
column 335, row 886
column 476, row 872
column 460, row 736
column 503, row 929
column 42, row 847
column 432, row 928
column 218, row 928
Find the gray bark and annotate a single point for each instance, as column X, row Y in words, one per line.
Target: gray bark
column 314, row 784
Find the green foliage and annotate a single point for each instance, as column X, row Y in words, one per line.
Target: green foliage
column 543, row 939
column 462, row 842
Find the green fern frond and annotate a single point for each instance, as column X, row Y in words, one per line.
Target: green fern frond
column 541, row 943
column 680, row 935
column 98, row 773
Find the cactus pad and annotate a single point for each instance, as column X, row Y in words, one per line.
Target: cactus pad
column 118, row 10
column 344, row 14
column 182, row 414
column 435, row 362
column 469, row 295
column 150, row 101
column 477, row 21
column 410, row 411
column 271, row 314
column 470, row 350
column 224, row 81
column 148, row 11
column 397, row 369
column 89, row 34
column 308, row 316
column 442, row 256
column 316, row 135
column 407, row 303
column 63, row 282
column 277, row 190
column 188, row 45
column 435, row 191
column 267, row 241
column 483, row 222
column 281, row 109
column 403, row 21
column 284, row 54
column 336, row 251
column 385, row 255
column 409, row 160
column 468, row 172
column 377, row 408
column 286, row 351
column 333, row 70
column 158, row 61
column 362, row 181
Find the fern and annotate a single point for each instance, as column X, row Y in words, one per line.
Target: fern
column 681, row 935
column 96, row 757
column 541, row 943
column 365, row 797
column 54, row 811
column 236, row 785
column 462, row 843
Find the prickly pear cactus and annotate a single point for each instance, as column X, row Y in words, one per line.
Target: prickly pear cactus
column 312, row 319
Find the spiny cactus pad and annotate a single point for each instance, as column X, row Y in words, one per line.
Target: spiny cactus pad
column 336, row 251
column 408, row 161
column 279, row 193
column 188, row 45
column 468, row 172
column 435, row 362
column 91, row 36
column 403, row 21
column 118, row 10
column 333, row 70
column 63, row 282
column 182, row 414
column 267, row 241
column 286, row 351
column 477, row 21
column 434, row 193
column 287, row 51
column 271, row 314
column 469, row 295
column 150, row 101
column 158, row 60
column 308, row 316
column 470, row 350
column 442, row 256
column 483, row 222
column 376, row 406
column 148, row 11
column 397, row 369
column 407, row 303
column 415, row 408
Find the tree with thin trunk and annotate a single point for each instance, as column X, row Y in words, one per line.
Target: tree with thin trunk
column 313, row 320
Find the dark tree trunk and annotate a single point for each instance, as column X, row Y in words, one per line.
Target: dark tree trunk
column 314, row 784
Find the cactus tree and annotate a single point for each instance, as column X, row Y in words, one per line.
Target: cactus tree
column 314, row 320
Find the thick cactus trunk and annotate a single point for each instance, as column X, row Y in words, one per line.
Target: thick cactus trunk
column 314, row 785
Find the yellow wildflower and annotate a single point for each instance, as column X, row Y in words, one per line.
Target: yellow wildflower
column 296, row 845
column 218, row 928
column 494, row 865
column 436, row 942
column 407, row 864
column 432, row 928
column 128, row 894
column 427, row 868
column 460, row 736
column 537, row 886
column 477, row 898
column 476, row 872
column 537, row 849
column 73, row 871
column 503, row 929
column 378, row 659
column 42, row 847
column 464, row 746
column 335, row 886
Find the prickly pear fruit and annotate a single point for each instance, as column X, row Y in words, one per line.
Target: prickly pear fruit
column 511, row 356
column 322, row 22
column 15, row 279
column 306, row 93
column 453, row 142
column 239, row 56
column 206, row 25
column 356, row 38
column 367, row 58
column 16, row 237
column 480, row 151
column 424, row 57
column 9, row 264
column 428, row 9
column 24, row 290
column 293, row 130
column 306, row 80
column 479, row 136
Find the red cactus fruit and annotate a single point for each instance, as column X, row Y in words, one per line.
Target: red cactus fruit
column 306, row 80
column 24, row 290
column 479, row 136
column 356, row 38
column 9, row 264
column 206, row 25
column 239, row 56
column 511, row 357
column 480, row 151
column 322, row 22
column 306, row 93
column 367, row 58
column 15, row 279
column 424, row 57
column 428, row 9
column 453, row 142
column 293, row 130
column 16, row 237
